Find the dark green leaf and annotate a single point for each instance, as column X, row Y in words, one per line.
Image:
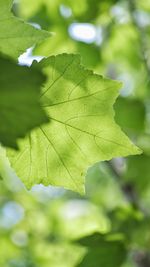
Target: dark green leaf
column 102, row 251
column 20, row 109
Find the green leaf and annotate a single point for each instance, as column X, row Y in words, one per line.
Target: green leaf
column 16, row 35
column 130, row 115
column 20, row 109
column 102, row 251
column 82, row 129
column 138, row 173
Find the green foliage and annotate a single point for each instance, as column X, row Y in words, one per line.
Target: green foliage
column 20, row 107
column 141, row 176
column 79, row 105
column 57, row 120
column 102, row 251
column 15, row 35
column 130, row 115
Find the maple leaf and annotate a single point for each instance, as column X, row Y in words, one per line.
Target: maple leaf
column 82, row 131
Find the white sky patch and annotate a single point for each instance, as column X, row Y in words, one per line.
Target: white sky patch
column 120, row 14
column 35, row 25
column 12, row 213
column 76, row 208
column 46, row 193
column 65, row 11
column 142, row 18
column 84, row 32
column 128, row 84
column 27, row 58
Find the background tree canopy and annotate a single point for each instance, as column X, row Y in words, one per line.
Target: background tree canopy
column 69, row 109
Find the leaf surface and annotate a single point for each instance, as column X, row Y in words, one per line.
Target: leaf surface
column 138, row 173
column 82, row 131
column 102, row 252
column 20, row 109
column 16, row 35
